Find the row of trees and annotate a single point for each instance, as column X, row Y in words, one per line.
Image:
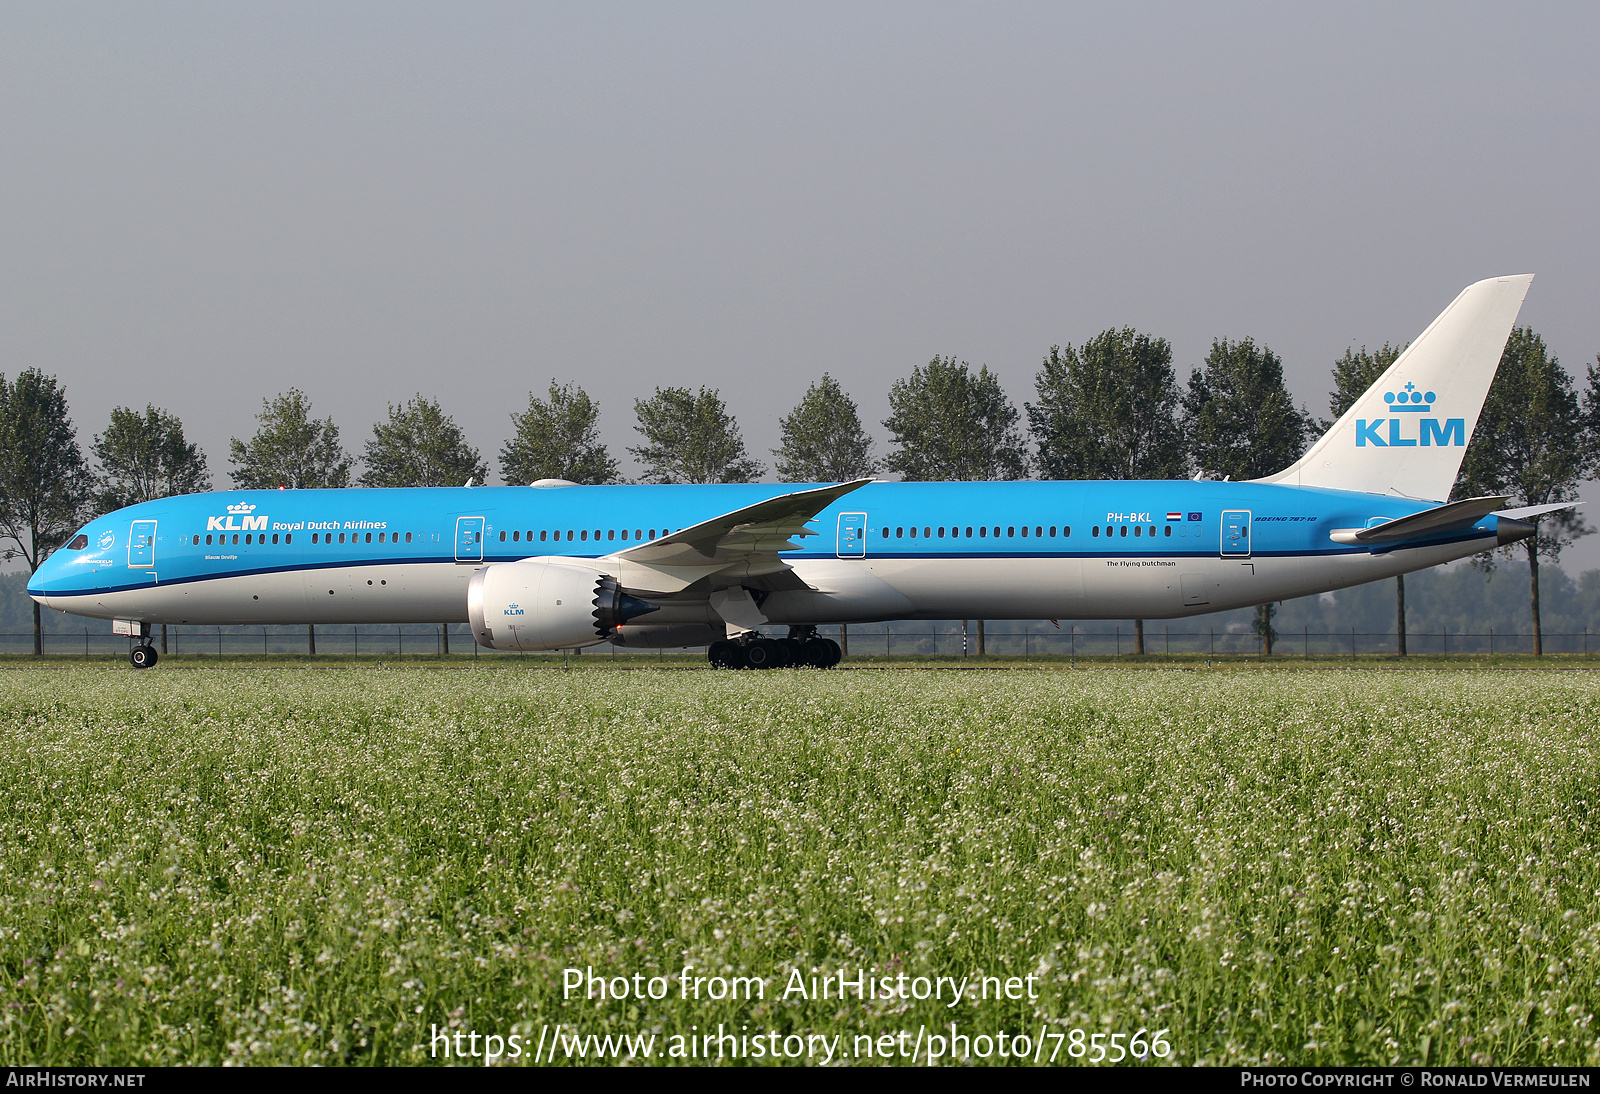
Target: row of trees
column 1111, row 408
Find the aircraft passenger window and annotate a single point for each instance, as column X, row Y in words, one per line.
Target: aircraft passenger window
column 502, row 536
column 544, row 534
column 408, row 537
column 341, row 537
column 899, row 533
column 515, row 536
column 1011, row 531
column 288, row 538
column 1096, row 532
column 208, row 541
column 236, row 539
column 1136, row 530
column 369, row 537
column 941, row 531
column 609, row 535
column 969, row 533
column 885, row 531
column 996, row 531
column 913, row 532
column 569, row 535
column 652, row 533
column 1169, row 531
column 927, row 533
column 584, row 534
column 1124, row 531
column 981, row 532
column 624, row 534
column 638, row 533
column 1066, row 531
column 1024, row 531
column 1052, row 531
column 1037, row 532
column 274, row 537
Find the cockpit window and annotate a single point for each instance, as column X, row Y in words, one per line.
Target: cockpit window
column 79, row 542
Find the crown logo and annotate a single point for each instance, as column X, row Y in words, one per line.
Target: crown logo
column 1410, row 398
column 242, row 507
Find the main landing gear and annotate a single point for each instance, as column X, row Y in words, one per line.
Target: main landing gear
column 142, row 657
column 802, row 649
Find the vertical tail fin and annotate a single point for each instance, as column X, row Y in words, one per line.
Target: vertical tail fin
column 1407, row 434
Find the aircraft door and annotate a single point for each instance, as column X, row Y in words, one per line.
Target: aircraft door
column 142, row 545
column 469, row 539
column 1236, row 533
column 852, row 535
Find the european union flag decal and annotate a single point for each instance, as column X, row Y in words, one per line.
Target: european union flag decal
column 1194, row 516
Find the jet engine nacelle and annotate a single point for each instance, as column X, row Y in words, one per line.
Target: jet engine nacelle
column 547, row 604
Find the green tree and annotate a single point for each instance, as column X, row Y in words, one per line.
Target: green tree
column 144, row 456
column 1241, row 423
column 420, row 445
column 951, row 424
column 1353, row 374
column 290, row 449
column 558, row 438
column 691, row 438
column 822, row 438
column 1534, row 442
column 1109, row 410
column 45, row 486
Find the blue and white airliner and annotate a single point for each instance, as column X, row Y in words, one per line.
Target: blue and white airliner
column 556, row 566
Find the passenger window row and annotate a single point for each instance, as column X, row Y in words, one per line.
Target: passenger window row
column 547, row 535
column 1138, row 530
column 930, row 532
column 288, row 538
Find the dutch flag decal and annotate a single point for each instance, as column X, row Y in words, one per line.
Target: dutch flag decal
column 1174, row 516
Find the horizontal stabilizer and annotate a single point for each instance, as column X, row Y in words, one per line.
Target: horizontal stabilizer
column 1458, row 514
column 1537, row 510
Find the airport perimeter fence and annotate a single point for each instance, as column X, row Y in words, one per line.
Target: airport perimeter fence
column 425, row 640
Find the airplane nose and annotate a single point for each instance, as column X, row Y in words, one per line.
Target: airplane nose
column 1512, row 530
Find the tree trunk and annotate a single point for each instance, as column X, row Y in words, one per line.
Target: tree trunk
column 311, row 639
column 38, row 632
column 1138, row 636
column 1533, row 577
column 1400, row 611
column 163, row 639
column 980, row 638
column 844, row 640
column 444, row 638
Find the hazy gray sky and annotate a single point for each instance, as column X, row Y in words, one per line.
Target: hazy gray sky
column 207, row 204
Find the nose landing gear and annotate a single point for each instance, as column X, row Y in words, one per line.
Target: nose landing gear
column 801, row 648
column 142, row 657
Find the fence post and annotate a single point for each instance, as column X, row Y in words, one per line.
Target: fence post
column 400, row 637
column 355, row 633
column 1491, row 641
column 263, row 641
column 219, row 641
column 1119, row 641
column 844, row 640
column 1352, row 643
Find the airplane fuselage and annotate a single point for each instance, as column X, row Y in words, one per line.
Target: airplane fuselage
column 993, row 550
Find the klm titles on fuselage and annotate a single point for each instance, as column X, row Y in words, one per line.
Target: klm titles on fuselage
column 1430, row 432
column 242, row 518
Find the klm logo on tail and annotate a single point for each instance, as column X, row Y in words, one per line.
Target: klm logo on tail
column 1430, row 432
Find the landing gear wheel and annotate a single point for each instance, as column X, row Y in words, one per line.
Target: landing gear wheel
column 763, row 653
column 791, row 652
column 835, row 654
column 819, row 653
column 142, row 657
column 725, row 655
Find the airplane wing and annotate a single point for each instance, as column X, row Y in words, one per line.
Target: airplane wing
column 738, row 545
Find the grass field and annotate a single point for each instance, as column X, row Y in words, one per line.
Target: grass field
column 1308, row 867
